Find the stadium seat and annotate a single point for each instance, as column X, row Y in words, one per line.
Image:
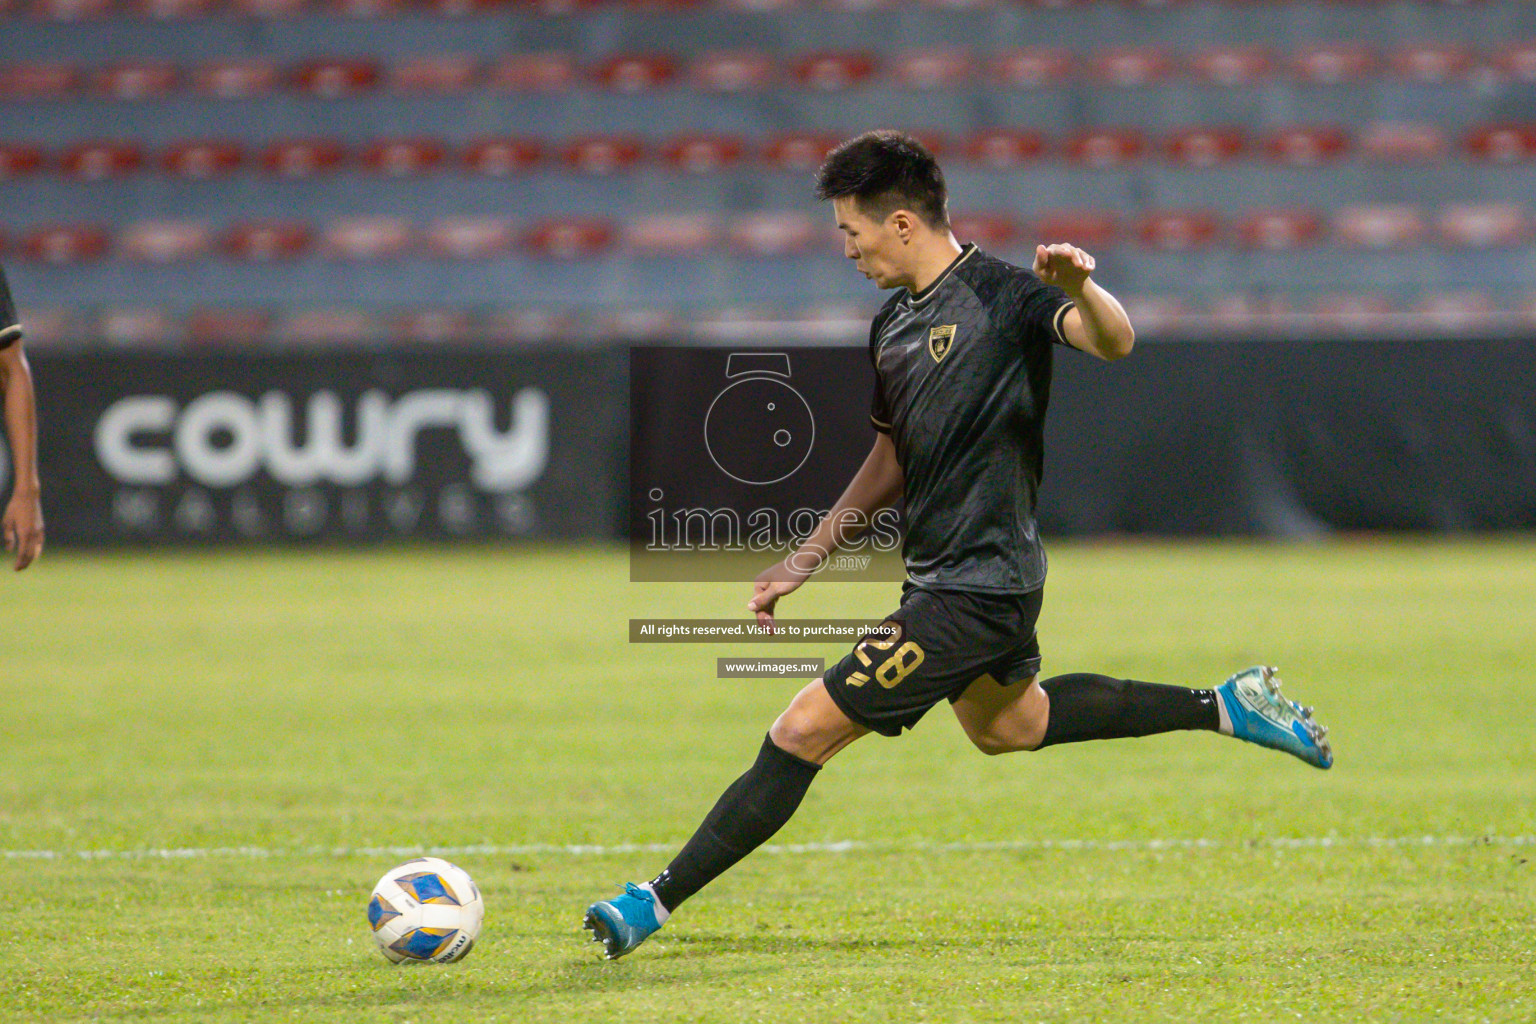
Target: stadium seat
column 303, row 158
column 501, row 157
column 17, row 159
column 772, row 234
column 54, row 325
column 1378, row 226
column 1084, row 228
column 37, row 81
column 1106, row 147
column 469, row 238
column 1306, row 145
column 1157, row 314
column 835, row 72
column 1231, row 65
column 935, row 142
column 135, row 80
column 635, row 73
column 174, row 10
column 1519, row 62
column 527, row 326
column 1483, row 225
column 403, row 158
column 933, row 69
column 1131, row 67
column 227, row 327
column 729, row 72
column 1458, row 312
column 1030, row 67
column 93, row 161
column 364, row 8
column 798, row 151
column 1205, row 147
column 702, row 154
column 139, row 328
column 1401, row 142
column 202, row 160
column 71, row 243
column 642, row 324
column 335, row 78
column 431, row 327
column 269, row 8
column 1503, row 144
column 1177, row 230
column 366, row 238
column 1001, row 148
column 1280, row 229
column 71, row 10
column 1240, row 314
column 569, row 238
column 165, row 241
column 1429, row 63
column 236, row 79
column 670, row 235
column 435, row 75
column 266, row 240
column 988, row 230
column 329, row 327
column 463, row 8
column 1334, row 64
column 1353, row 314
column 533, row 72
column 602, row 154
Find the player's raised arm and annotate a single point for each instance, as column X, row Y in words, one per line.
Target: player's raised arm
column 1098, row 324
column 877, row 484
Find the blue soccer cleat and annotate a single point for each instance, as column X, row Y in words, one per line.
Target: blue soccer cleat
column 623, row 922
column 1260, row 715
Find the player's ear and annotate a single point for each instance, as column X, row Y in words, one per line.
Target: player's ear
column 901, row 223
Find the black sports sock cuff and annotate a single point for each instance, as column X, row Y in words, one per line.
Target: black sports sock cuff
column 772, row 749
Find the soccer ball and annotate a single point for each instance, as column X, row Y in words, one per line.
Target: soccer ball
column 425, row 911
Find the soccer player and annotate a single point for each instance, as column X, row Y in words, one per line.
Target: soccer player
column 962, row 355
column 23, row 522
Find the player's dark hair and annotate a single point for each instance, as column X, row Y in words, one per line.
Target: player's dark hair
column 885, row 171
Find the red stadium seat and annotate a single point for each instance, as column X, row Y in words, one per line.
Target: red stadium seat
column 602, row 154
column 1429, row 63
column 364, row 8
column 139, row 328
column 758, row 6
column 70, row 243
column 936, row 143
column 1503, row 144
column 330, row 327
column 1353, row 313
column 173, row 10
column 165, row 241
column 470, row 238
column 528, row 326
column 934, row 69
column 366, row 238
column 236, row 79
column 266, row 241
column 1378, row 227
column 1249, row 314
column 1231, row 65
column 501, row 157
column 643, row 324
column 403, row 158
column 772, row 234
column 1031, row 67
column 800, row 151
column 202, row 160
column 1157, row 314
column 569, row 238
column 93, row 161
column 333, row 78
column 670, row 235
column 1107, row 147
column 136, row 80
column 1334, row 63
column 988, row 230
column 303, row 158
column 1176, row 230
column 462, row 8
column 1306, row 145
column 633, row 73
column 17, row 159
column 1519, row 62
column 1002, row 148
column 732, row 72
column 1205, row 147
column 269, row 8
column 1129, row 67
column 1458, row 312
column 33, row 81
column 703, row 154
column 435, row 75
column 533, row 72
column 1400, row 142
column 834, row 72
column 1484, row 225
column 236, row 328
column 432, row 327
column 1280, row 229
column 1083, row 228
column 51, row 325
column 71, row 10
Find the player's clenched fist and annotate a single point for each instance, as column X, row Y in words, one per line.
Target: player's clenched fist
column 1063, row 265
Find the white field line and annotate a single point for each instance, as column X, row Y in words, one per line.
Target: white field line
column 844, row 846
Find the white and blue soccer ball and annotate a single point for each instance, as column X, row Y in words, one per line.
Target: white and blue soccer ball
column 426, row 911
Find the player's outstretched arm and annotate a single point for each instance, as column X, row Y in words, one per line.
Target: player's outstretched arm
column 1098, row 324
column 23, row 521
column 878, row 484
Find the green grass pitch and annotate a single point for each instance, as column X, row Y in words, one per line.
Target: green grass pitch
column 289, row 716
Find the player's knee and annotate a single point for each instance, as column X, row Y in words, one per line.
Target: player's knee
column 804, row 729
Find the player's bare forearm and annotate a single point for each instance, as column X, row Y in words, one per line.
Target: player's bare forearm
column 1098, row 324
column 23, row 519
column 878, row 484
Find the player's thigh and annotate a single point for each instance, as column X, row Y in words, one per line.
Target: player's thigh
column 813, row 727
column 1002, row 718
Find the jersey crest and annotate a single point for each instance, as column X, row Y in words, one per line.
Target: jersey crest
column 940, row 340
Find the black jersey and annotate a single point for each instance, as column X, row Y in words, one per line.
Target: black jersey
column 10, row 327
column 962, row 377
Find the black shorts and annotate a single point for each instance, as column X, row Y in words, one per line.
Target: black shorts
column 945, row 641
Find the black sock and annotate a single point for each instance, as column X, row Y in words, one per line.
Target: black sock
column 1089, row 707
column 745, row 817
